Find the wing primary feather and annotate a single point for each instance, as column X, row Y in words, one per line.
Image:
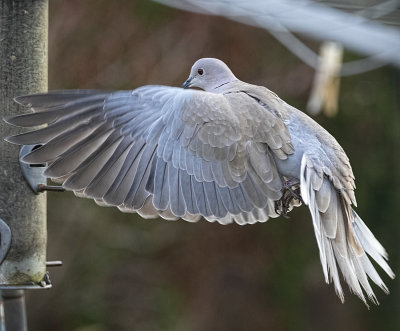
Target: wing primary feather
column 211, row 199
column 187, row 192
column 173, row 189
column 89, row 169
column 161, row 185
column 106, row 176
column 180, row 209
column 76, row 155
column 42, row 136
column 150, row 182
column 225, row 195
column 241, row 199
column 119, row 189
column 198, row 193
column 58, row 97
column 60, row 144
column 137, row 193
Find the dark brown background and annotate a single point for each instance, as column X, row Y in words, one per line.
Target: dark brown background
column 124, row 273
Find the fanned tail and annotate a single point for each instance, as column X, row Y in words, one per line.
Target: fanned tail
column 344, row 241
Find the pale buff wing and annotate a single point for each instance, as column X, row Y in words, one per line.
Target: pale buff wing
column 160, row 150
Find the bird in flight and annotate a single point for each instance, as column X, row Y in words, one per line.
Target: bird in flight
column 230, row 152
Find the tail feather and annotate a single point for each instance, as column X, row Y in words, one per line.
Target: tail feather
column 372, row 247
column 343, row 239
column 362, row 278
column 332, row 270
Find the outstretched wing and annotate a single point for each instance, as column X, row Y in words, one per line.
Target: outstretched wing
column 160, row 150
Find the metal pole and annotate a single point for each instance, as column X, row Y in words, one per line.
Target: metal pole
column 14, row 310
column 23, row 70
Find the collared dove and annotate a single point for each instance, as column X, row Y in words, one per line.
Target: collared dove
column 234, row 152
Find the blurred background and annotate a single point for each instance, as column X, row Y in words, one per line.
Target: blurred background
column 121, row 272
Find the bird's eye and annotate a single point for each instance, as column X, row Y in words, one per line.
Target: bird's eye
column 200, row 71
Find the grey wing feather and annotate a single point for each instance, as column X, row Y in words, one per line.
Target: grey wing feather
column 161, row 185
column 99, row 186
column 119, row 189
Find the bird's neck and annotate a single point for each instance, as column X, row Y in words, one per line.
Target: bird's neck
column 222, row 87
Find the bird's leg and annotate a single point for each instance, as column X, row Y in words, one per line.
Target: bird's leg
column 290, row 191
column 293, row 187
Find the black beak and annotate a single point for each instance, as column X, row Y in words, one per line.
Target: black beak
column 187, row 83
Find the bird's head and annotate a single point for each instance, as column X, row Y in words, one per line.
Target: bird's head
column 209, row 74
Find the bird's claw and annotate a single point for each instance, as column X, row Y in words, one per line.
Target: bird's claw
column 290, row 192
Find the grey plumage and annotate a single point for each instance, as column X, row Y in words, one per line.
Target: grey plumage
column 223, row 153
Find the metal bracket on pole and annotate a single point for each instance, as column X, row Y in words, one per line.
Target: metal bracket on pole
column 43, row 285
column 5, row 242
column 34, row 174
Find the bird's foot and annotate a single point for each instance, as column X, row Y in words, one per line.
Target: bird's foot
column 293, row 189
column 290, row 192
